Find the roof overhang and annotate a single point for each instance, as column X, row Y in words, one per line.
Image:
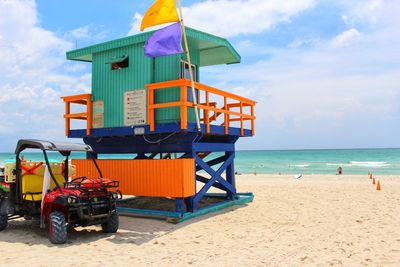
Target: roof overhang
column 213, row 50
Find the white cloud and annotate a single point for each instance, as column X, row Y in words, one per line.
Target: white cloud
column 81, row 32
column 135, row 26
column 346, row 38
column 229, row 18
column 30, row 82
column 25, row 47
column 363, row 11
column 343, row 92
column 302, row 42
column 90, row 32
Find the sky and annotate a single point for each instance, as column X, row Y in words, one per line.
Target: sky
column 325, row 74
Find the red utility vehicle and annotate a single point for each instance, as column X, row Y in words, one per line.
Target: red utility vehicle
column 58, row 202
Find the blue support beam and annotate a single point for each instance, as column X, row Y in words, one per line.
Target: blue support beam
column 180, row 205
column 215, row 178
column 205, row 180
column 212, row 162
column 230, row 176
column 213, row 147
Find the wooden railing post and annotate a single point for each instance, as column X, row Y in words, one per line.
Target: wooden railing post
column 89, row 111
column 226, row 115
column 241, row 119
column 207, row 113
column 252, row 120
column 151, row 109
column 67, row 119
column 184, row 109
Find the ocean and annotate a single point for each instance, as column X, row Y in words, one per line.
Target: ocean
column 353, row 161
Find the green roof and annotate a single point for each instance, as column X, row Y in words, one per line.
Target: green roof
column 214, row 50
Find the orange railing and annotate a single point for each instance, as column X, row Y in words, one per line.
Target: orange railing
column 86, row 100
column 205, row 93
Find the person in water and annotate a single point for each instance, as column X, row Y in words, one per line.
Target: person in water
column 339, row 170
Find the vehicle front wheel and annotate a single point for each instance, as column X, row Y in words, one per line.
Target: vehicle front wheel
column 112, row 224
column 57, row 228
column 3, row 221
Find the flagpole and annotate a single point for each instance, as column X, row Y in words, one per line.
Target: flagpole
column 196, row 110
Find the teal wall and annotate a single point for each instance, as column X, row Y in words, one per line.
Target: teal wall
column 166, row 69
column 195, row 60
column 109, row 85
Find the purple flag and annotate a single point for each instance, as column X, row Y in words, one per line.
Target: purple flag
column 167, row 41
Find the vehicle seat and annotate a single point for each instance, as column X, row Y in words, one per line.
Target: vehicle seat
column 32, row 184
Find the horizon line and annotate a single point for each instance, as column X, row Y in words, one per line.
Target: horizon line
column 257, row 150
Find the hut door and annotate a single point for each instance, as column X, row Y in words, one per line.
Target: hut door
column 186, row 75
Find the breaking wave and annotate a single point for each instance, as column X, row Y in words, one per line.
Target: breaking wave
column 300, row 165
column 371, row 164
column 375, row 164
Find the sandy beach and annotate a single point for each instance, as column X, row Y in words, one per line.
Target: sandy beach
column 318, row 220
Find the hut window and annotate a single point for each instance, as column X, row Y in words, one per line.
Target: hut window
column 185, row 71
column 119, row 63
column 186, row 75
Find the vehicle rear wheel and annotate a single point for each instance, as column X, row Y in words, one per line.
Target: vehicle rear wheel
column 3, row 221
column 57, row 228
column 111, row 226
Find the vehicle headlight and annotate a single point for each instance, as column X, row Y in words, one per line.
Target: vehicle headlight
column 115, row 195
column 72, row 200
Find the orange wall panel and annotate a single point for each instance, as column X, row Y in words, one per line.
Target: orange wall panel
column 151, row 178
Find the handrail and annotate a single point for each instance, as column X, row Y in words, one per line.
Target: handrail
column 83, row 99
column 206, row 105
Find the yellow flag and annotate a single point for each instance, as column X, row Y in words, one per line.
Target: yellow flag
column 162, row 11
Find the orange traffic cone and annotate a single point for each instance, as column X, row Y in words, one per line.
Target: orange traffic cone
column 370, row 176
column 378, row 186
column 373, row 181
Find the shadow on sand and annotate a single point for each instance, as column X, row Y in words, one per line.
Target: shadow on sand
column 132, row 230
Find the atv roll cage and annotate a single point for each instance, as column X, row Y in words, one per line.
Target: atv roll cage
column 64, row 149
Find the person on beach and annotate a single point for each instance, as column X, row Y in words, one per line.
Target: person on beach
column 339, row 170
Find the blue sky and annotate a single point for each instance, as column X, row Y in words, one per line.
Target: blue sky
column 326, row 74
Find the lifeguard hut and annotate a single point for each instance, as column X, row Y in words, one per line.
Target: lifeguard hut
column 144, row 106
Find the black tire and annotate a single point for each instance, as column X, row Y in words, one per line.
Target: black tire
column 3, row 212
column 57, row 228
column 3, row 221
column 112, row 224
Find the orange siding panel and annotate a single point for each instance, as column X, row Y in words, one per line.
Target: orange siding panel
column 150, row 178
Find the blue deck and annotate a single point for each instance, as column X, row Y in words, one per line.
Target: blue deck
column 159, row 129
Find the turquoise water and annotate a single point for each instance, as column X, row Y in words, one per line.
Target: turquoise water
column 353, row 161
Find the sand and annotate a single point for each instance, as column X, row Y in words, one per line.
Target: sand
column 314, row 221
